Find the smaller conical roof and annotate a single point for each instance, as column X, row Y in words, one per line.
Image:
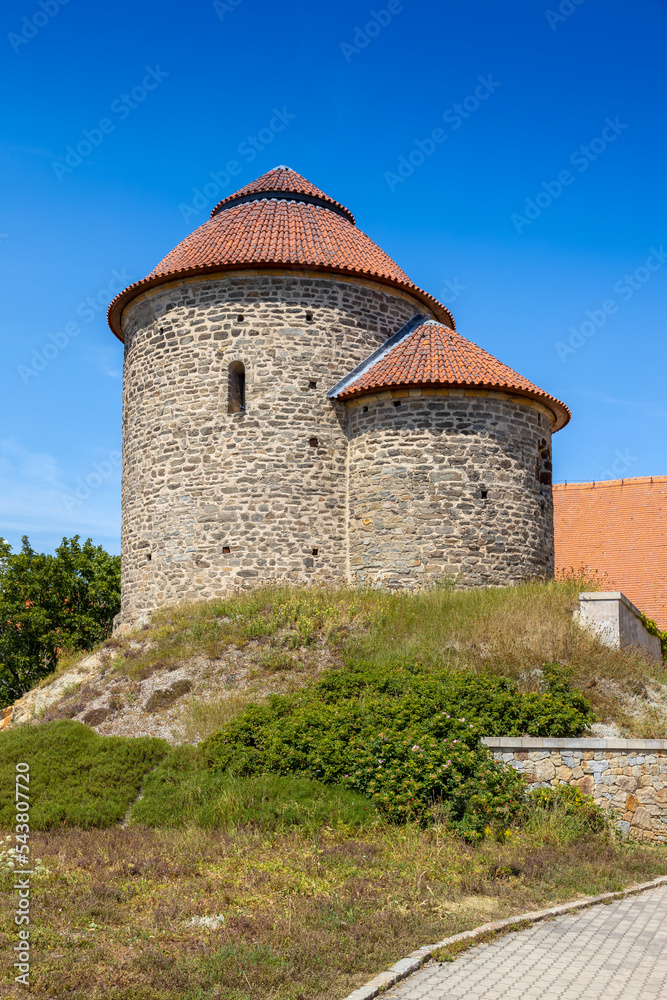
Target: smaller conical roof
column 431, row 355
column 277, row 183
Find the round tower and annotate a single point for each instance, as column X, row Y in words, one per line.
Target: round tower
column 296, row 410
column 449, row 465
column 234, row 458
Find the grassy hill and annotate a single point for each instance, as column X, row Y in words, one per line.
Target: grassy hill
column 176, row 867
column 195, row 666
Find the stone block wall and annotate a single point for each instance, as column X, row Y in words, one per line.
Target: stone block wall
column 449, row 482
column 627, row 778
column 213, row 500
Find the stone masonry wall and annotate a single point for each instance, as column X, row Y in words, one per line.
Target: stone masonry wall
column 627, row 778
column 267, row 484
column 449, row 482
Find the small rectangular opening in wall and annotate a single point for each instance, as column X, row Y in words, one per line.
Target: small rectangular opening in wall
column 397, row 402
column 312, row 384
column 315, row 552
column 225, row 550
column 239, row 318
column 148, row 557
column 365, row 409
column 484, row 494
column 236, row 388
column 309, row 317
column 313, row 442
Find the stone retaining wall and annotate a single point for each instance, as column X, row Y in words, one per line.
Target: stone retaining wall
column 626, row 777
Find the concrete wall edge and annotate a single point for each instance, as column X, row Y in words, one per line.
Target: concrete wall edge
column 510, row 743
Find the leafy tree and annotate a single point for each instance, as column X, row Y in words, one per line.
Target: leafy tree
column 49, row 604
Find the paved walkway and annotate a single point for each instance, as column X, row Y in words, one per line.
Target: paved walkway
column 609, row 952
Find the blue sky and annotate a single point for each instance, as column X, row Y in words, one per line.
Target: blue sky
column 539, row 216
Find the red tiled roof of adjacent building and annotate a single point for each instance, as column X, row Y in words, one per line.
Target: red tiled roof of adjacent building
column 287, row 223
column 617, row 532
column 432, row 355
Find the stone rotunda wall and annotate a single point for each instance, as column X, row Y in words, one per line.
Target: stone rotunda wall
column 449, row 482
column 215, row 500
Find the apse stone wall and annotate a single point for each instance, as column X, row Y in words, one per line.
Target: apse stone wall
column 269, row 484
column 449, row 483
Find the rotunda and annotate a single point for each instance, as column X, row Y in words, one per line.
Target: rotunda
column 296, row 410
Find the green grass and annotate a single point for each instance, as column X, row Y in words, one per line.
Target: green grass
column 80, row 779
column 182, row 791
column 77, row 778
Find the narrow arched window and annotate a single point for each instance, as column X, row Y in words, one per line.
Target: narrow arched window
column 236, row 388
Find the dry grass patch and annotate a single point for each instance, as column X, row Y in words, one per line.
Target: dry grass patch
column 294, row 916
column 205, row 717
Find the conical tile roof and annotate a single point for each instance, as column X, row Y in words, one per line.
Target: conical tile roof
column 281, row 181
column 280, row 220
column 433, row 356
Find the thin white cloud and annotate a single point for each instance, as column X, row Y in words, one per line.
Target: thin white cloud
column 15, row 458
column 650, row 406
column 37, row 495
column 40, row 151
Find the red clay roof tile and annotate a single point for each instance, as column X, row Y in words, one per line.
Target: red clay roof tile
column 288, row 224
column 616, row 531
column 282, row 179
column 432, row 355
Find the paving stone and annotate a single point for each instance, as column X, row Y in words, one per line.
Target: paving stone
column 607, row 952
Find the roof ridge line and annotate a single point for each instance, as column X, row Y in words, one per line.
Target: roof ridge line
column 605, row 483
column 379, row 353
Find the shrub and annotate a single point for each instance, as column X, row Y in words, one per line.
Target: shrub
column 403, row 737
column 77, row 777
column 576, row 814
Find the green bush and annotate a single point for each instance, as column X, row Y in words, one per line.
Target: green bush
column 77, row 777
column 182, row 790
column 407, row 739
column 572, row 808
